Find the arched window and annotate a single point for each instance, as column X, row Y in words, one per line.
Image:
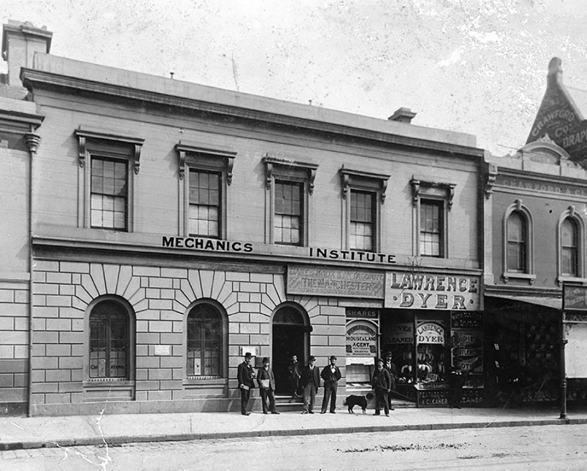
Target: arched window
column 517, row 243
column 205, row 341
column 110, row 345
column 569, row 248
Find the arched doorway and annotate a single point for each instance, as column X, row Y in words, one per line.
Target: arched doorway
column 290, row 337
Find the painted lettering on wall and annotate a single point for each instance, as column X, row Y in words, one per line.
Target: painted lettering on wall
column 427, row 291
column 206, row 244
column 352, row 255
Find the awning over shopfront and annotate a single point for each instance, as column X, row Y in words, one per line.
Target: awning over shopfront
column 553, row 303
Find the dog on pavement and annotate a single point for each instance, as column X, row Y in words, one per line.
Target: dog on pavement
column 361, row 401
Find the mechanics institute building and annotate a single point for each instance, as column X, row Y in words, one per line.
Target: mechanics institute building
column 159, row 230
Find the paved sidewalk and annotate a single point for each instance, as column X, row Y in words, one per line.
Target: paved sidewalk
column 41, row 432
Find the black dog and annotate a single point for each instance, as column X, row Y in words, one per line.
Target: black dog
column 360, row 401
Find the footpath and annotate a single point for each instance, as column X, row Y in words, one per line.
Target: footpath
column 40, row 432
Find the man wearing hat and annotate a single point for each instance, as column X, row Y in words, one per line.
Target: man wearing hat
column 392, row 370
column 381, row 382
column 330, row 375
column 310, row 381
column 245, row 375
column 266, row 381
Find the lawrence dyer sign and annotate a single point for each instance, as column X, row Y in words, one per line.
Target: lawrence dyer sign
column 431, row 291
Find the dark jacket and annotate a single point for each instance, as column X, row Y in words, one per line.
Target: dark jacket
column 266, row 374
column 381, row 379
column 245, row 375
column 309, row 376
column 392, row 369
column 328, row 376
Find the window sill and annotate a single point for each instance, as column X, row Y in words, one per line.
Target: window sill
column 572, row 280
column 107, row 383
column 530, row 278
column 205, row 381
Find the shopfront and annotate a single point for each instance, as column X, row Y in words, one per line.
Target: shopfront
column 430, row 323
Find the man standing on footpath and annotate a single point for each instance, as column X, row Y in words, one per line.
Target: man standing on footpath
column 392, row 370
column 310, row 382
column 266, row 382
column 330, row 375
column 245, row 375
column 381, row 382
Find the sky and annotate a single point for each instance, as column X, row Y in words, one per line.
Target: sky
column 474, row 66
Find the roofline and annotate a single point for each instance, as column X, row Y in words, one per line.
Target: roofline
column 302, row 116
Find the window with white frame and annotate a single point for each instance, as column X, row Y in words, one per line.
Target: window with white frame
column 289, row 187
column 518, row 252
column 570, row 247
column 432, row 202
column 432, row 228
column 204, row 175
column 362, row 233
column 363, row 193
column 109, row 163
column 517, row 243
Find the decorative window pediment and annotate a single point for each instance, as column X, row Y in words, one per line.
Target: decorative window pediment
column 205, row 158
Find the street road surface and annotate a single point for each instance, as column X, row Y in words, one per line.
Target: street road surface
column 556, row 447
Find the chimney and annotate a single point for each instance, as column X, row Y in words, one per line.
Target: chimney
column 402, row 115
column 20, row 41
column 555, row 71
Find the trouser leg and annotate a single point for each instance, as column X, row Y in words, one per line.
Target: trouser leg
column 245, row 394
column 327, row 389
column 271, row 396
column 384, row 399
column 334, row 387
column 312, row 397
column 307, row 397
column 264, row 399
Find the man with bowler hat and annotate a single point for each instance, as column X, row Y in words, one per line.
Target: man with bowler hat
column 330, row 375
column 266, row 381
column 245, row 375
column 310, row 381
column 381, row 382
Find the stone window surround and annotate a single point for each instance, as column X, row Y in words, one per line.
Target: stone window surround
column 293, row 171
column 367, row 182
column 218, row 159
column 108, row 144
column 529, row 276
column 571, row 213
column 431, row 191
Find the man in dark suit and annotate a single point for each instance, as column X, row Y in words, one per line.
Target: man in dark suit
column 310, row 381
column 245, row 375
column 330, row 375
column 392, row 370
column 381, row 382
column 266, row 381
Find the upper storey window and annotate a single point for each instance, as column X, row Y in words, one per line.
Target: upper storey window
column 204, row 176
column 205, row 197
column 288, row 224
column 569, row 248
column 363, row 194
column 109, row 194
column 432, row 234
column 517, row 233
column 289, row 187
column 107, row 179
column 571, row 265
column 432, row 201
column 363, row 217
column 518, row 250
